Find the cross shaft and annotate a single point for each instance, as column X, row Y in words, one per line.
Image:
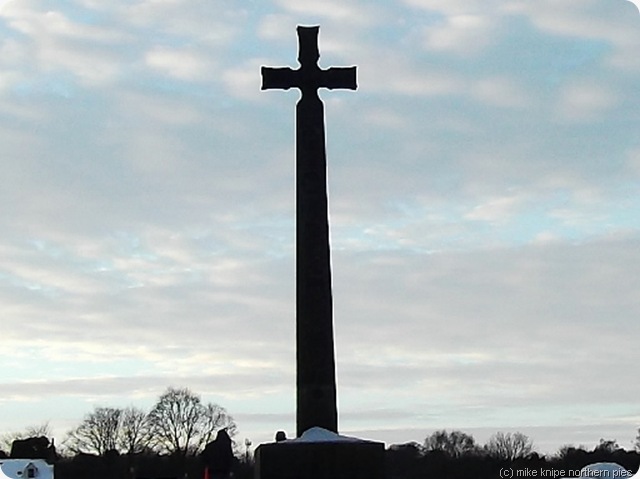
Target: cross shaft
column 315, row 372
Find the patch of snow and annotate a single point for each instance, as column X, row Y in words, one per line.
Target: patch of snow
column 318, row 434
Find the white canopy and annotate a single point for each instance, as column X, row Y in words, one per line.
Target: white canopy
column 606, row 470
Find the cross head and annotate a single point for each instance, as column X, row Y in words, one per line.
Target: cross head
column 309, row 77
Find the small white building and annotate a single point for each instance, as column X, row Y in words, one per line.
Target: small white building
column 25, row 469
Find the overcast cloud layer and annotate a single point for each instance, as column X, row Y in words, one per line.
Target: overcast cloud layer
column 484, row 200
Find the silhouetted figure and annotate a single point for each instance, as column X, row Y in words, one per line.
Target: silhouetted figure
column 281, row 436
column 218, row 456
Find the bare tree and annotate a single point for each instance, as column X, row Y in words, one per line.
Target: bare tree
column 180, row 424
column 607, row 445
column 97, row 433
column 215, row 418
column 453, row 444
column 133, row 431
column 565, row 451
column 509, row 446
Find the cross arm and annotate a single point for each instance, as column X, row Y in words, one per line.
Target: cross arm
column 278, row 78
column 339, row 77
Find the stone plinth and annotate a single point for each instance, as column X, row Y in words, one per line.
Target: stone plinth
column 320, row 454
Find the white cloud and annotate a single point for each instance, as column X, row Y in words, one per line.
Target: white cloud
column 277, row 27
column 351, row 14
column 167, row 111
column 244, row 81
column 385, row 118
column 180, row 63
column 210, row 23
column 457, row 8
column 462, row 34
column 633, row 160
column 56, row 42
column 612, row 21
column 501, row 92
column 496, row 209
column 585, row 101
column 386, row 71
column 605, row 19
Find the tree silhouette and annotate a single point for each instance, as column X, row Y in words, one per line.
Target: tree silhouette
column 133, row 433
column 453, row 444
column 509, row 446
column 180, row 424
column 607, row 445
column 97, row 433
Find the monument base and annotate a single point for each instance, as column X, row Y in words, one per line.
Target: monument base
column 320, row 454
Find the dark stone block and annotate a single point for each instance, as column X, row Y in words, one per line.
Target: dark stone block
column 33, row 448
column 320, row 460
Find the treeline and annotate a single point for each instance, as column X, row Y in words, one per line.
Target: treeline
column 443, row 455
column 179, row 424
column 166, row 442
column 456, row 455
column 129, row 442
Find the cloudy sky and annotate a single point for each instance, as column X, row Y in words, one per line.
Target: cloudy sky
column 484, row 203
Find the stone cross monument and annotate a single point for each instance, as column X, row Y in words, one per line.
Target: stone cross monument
column 315, row 377
column 319, row 453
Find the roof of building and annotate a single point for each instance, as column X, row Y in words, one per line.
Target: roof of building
column 16, row 468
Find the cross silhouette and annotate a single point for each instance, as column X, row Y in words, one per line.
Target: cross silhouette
column 309, row 77
column 315, row 358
